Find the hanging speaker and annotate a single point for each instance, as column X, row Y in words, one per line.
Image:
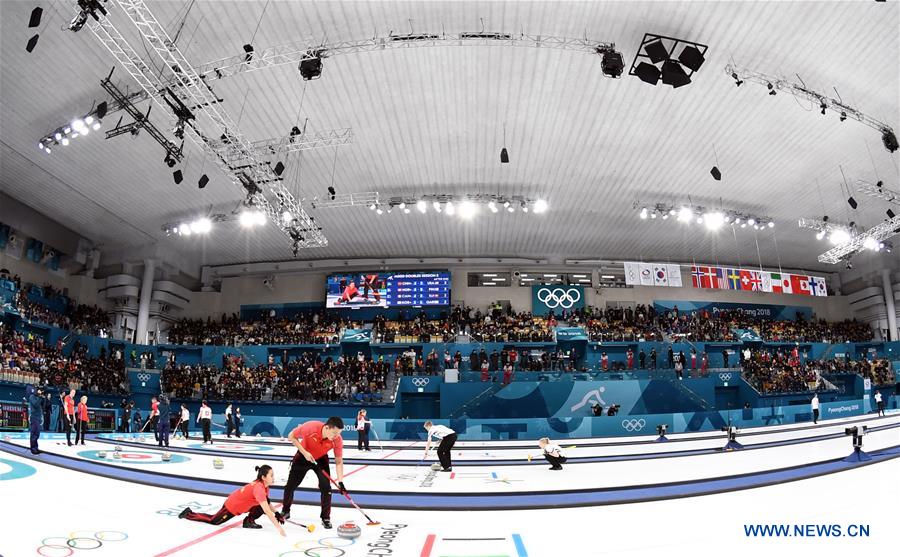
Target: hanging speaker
column 32, row 42
column 716, row 174
column 279, row 168
column 852, row 202
column 177, row 176
column 35, row 17
column 504, row 155
column 203, row 181
column 890, row 214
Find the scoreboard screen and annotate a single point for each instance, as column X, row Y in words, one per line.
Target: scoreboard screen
column 388, row 290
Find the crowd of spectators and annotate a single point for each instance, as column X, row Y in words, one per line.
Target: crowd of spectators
column 615, row 324
column 878, row 370
column 78, row 318
column 304, row 328
column 27, row 358
column 493, row 325
column 308, row 377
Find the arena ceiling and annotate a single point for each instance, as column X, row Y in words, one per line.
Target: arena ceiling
column 431, row 120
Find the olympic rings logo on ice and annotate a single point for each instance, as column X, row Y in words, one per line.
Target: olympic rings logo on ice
column 420, row 381
column 143, row 377
column 78, row 539
column 725, row 377
column 634, row 425
column 559, row 297
column 323, row 544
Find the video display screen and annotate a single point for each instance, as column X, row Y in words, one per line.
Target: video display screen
column 388, row 290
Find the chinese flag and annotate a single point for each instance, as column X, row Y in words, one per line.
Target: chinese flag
column 800, row 285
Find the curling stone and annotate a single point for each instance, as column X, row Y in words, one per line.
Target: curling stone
column 167, row 456
column 117, row 448
column 436, row 466
column 218, row 463
column 117, row 455
column 101, row 454
column 348, row 530
column 7, row 438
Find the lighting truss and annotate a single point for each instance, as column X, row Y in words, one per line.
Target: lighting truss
column 825, row 226
column 71, row 130
column 508, row 203
column 296, row 52
column 263, row 187
column 183, row 227
column 733, row 217
column 879, row 233
column 141, row 121
column 364, row 199
column 879, row 191
column 236, row 155
column 825, row 102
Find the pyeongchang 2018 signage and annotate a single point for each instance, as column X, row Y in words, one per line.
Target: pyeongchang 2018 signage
column 762, row 311
column 556, row 298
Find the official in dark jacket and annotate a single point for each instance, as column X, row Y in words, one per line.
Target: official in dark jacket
column 35, row 414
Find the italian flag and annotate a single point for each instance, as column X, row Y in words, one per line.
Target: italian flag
column 781, row 283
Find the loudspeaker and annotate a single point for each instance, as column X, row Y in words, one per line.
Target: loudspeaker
column 177, row 176
column 32, row 42
column 203, row 181
column 279, row 168
column 691, row 58
column 656, row 51
column 715, row 173
column 673, row 74
column 35, row 17
column 852, row 202
column 648, row 73
column 504, row 155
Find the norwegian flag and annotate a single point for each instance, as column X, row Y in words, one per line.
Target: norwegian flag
column 697, row 274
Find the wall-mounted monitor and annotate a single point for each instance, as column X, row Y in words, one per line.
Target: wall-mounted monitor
column 388, row 290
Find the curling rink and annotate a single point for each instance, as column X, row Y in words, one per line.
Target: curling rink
column 629, row 496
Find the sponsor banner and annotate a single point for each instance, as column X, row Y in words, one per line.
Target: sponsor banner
column 556, row 298
column 357, row 335
column 756, row 280
column 763, row 311
column 570, row 333
column 652, row 274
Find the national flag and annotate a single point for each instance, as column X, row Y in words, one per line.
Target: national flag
column 786, row 284
column 746, row 277
column 696, row 275
column 819, row 286
column 646, row 274
column 775, row 279
column 766, row 281
column 719, row 281
column 632, row 273
column 733, row 279
column 661, row 275
column 675, row 275
column 709, row 278
column 800, row 284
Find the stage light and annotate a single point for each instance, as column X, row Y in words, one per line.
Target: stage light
column 714, row 220
column 248, row 50
column 541, row 206
column 685, row 214
column 47, row 149
column 421, row 206
column 612, row 63
column 436, row 205
column 889, row 139
column 372, row 207
column 843, row 116
column 201, row 225
column 287, row 217
column 656, row 51
column 839, row 236
column 88, row 119
column 691, row 58
column 331, row 192
column 41, row 146
column 524, row 207
column 648, row 73
column 737, row 81
column 643, row 213
column 184, row 229
column 96, row 125
column 246, row 219
column 820, row 234
column 493, row 207
column 737, row 220
column 771, row 224
column 665, row 216
column 78, row 124
column 511, row 208
column 652, row 215
column 65, row 141
column 402, row 205
column 378, row 211
column 673, row 74
column 467, row 209
column 57, row 136
column 743, row 225
column 751, row 221
column 311, row 68
column 823, row 106
column 406, row 211
column 870, row 243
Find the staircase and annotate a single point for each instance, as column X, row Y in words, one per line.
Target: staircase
column 476, row 400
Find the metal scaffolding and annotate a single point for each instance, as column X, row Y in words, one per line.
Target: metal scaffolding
column 879, row 233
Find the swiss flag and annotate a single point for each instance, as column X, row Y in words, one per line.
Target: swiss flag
column 800, row 285
column 746, row 280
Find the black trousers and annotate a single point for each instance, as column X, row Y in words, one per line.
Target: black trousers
column 299, row 467
column 184, row 429
column 152, row 424
column 204, row 423
column 556, row 461
column 229, row 426
column 816, row 416
column 80, row 430
column 881, row 408
column 223, row 515
column 68, row 425
column 443, row 450
column 363, row 439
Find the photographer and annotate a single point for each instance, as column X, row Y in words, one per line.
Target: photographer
column 613, row 410
column 596, row 409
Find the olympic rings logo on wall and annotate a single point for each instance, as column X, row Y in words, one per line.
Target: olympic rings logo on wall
column 143, row 377
column 79, row 539
column 420, row 381
column 725, row 377
column 324, row 544
column 634, row 425
column 559, row 297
